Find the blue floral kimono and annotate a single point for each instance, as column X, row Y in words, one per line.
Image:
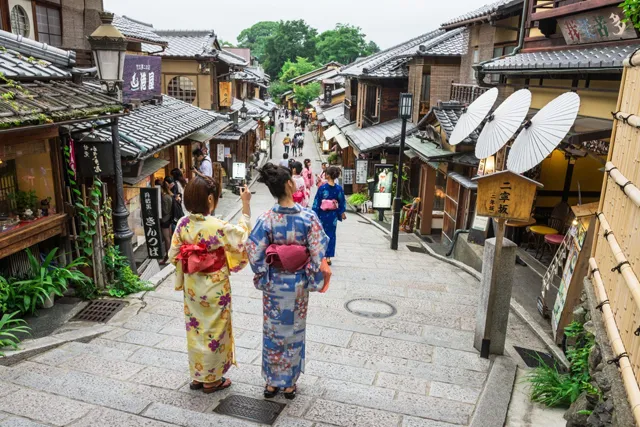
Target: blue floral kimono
column 329, row 219
column 285, row 295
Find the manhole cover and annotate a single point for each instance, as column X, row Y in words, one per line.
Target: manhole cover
column 247, row 408
column 99, row 311
column 369, row 307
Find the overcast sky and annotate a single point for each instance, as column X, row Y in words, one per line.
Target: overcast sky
column 387, row 22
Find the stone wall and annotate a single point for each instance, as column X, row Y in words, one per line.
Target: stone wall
column 442, row 75
column 79, row 23
column 613, row 408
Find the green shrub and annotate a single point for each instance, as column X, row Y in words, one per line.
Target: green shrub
column 123, row 280
column 358, row 199
column 334, row 158
column 9, row 327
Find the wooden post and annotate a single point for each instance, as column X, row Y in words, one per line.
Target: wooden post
column 486, row 341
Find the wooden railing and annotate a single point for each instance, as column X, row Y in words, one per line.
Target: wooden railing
column 544, row 9
column 466, row 94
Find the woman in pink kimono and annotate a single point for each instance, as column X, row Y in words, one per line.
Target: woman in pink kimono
column 307, row 174
column 301, row 195
column 205, row 251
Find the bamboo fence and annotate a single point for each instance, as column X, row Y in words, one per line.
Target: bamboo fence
column 615, row 263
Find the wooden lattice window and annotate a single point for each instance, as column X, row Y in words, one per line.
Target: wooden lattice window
column 182, row 88
column 8, row 185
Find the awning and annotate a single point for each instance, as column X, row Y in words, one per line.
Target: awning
column 342, row 140
column 410, row 154
column 426, row 149
column 150, row 166
column 463, row 180
column 208, row 132
column 331, row 133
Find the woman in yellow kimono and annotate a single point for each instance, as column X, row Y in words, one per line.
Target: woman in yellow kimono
column 205, row 250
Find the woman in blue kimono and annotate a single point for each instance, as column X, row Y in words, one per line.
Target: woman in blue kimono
column 330, row 206
column 296, row 232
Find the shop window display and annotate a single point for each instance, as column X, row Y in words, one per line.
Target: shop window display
column 26, row 184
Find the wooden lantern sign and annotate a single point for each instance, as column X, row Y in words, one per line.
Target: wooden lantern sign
column 506, row 195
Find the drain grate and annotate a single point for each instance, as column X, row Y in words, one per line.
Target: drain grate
column 419, row 249
column 99, row 311
column 371, row 308
column 534, row 358
column 248, row 408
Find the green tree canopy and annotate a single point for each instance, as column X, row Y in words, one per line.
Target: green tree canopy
column 291, row 70
column 277, row 88
column 307, row 93
column 343, row 44
column 256, row 36
column 290, row 40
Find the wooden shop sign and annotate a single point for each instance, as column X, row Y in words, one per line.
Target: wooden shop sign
column 506, row 195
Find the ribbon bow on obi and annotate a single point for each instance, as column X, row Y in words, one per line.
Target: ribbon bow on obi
column 198, row 259
column 290, row 258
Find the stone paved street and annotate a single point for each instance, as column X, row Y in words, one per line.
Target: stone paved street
column 415, row 369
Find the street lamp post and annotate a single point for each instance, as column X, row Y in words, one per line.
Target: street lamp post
column 406, row 108
column 109, row 48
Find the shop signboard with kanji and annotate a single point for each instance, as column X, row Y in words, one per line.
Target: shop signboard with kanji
column 506, row 195
column 596, row 26
column 142, row 77
column 150, row 198
column 362, row 170
column 94, row 158
column 225, row 94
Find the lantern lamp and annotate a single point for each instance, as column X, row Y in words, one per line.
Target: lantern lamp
column 406, row 105
column 109, row 48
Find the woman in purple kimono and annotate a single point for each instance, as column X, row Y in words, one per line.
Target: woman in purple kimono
column 295, row 233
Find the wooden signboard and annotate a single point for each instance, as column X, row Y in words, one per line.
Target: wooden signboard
column 226, row 100
column 506, row 195
column 151, row 219
column 596, row 26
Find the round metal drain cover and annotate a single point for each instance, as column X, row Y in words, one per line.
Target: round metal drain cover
column 369, row 307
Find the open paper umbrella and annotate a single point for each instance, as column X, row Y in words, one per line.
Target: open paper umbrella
column 543, row 133
column 473, row 116
column 503, row 123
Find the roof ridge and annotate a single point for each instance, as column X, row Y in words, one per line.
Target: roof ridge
column 233, row 54
column 185, row 33
column 481, row 11
column 137, row 21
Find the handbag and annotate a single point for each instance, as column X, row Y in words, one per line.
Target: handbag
column 329, row 205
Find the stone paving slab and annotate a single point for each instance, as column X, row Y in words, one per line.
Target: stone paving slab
column 44, row 407
column 20, row 422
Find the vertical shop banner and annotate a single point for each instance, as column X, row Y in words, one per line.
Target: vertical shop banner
column 150, row 198
column 220, row 153
column 142, row 77
column 94, row 159
column 362, row 170
column 327, row 94
column 225, row 94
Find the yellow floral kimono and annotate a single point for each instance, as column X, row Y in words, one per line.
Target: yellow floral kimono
column 207, row 296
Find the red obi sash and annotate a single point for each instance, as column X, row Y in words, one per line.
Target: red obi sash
column 197, row 259
column 291, row 258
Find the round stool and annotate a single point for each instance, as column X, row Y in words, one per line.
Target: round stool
column 540, row 231
column 551, row 240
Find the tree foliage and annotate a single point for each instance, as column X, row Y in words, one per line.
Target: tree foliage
column 290, row 40
column 344, row 44
column 277, row 88
column 256, row 36
column 307, row 93
column 291, row 70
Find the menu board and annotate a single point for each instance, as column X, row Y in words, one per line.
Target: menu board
column 362, row 171
column 347, row 176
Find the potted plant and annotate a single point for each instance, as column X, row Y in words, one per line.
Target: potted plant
column 334, row 158
column 358, row 200
column 26, row 203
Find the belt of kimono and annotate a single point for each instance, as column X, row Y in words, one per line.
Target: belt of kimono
column 198, row 259
column 291, row 258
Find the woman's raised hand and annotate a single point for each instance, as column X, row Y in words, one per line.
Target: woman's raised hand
column 245, row 195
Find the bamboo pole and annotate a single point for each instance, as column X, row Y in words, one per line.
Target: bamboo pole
column 612, row 144
column 629, row 188
column 630, row 119
column 74, row 231
column 626, row 371
column 623, row 265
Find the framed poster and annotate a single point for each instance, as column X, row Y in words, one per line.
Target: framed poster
column 239, row 171
column 362, row 170
column 382, row 196
column 151, row 222
column 220, row 153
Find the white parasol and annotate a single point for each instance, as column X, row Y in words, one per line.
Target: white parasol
column 503, row 123
column 473, row 116
column 543, row 133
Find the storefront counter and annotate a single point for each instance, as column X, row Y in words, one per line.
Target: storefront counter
column 29, row 233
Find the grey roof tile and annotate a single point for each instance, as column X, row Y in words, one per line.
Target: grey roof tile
column 426, row 149
column 15, row 65
column 448, row 114
column 186, row 43
column 137, row 30
column 587, row 58
column 369, row 63
column 50, row 62
column 451, row 43
column 341, row 121
column 237, row 132
column 481, row 12
column 376, row 136
column 255, row 107
column 231, row 58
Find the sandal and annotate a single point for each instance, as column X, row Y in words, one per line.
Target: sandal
column 290, row 395
column 329, row 261
column 270, row 394
column 195, row 385
column 222, row 384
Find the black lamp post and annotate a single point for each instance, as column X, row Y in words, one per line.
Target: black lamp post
column 406, row 109
column 109, row 48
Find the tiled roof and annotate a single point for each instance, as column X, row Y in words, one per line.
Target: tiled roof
column 237, row 132
column 49, row 102
column 231, row 58
column 341, row 121
column 482, row 12
column 395, row 68
column 311, row 75
column 50, row 62
column 152, row 127
column 370, row 138
column 365, row 65
column 186, row 44
column 331, row 113
column 255, row 107
column 426, row 149
column 451, row 43
column 137, row 30
column 448, row 114
column 583, row 58
column 211, row 130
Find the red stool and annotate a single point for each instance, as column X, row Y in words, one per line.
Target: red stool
column 551, row 240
